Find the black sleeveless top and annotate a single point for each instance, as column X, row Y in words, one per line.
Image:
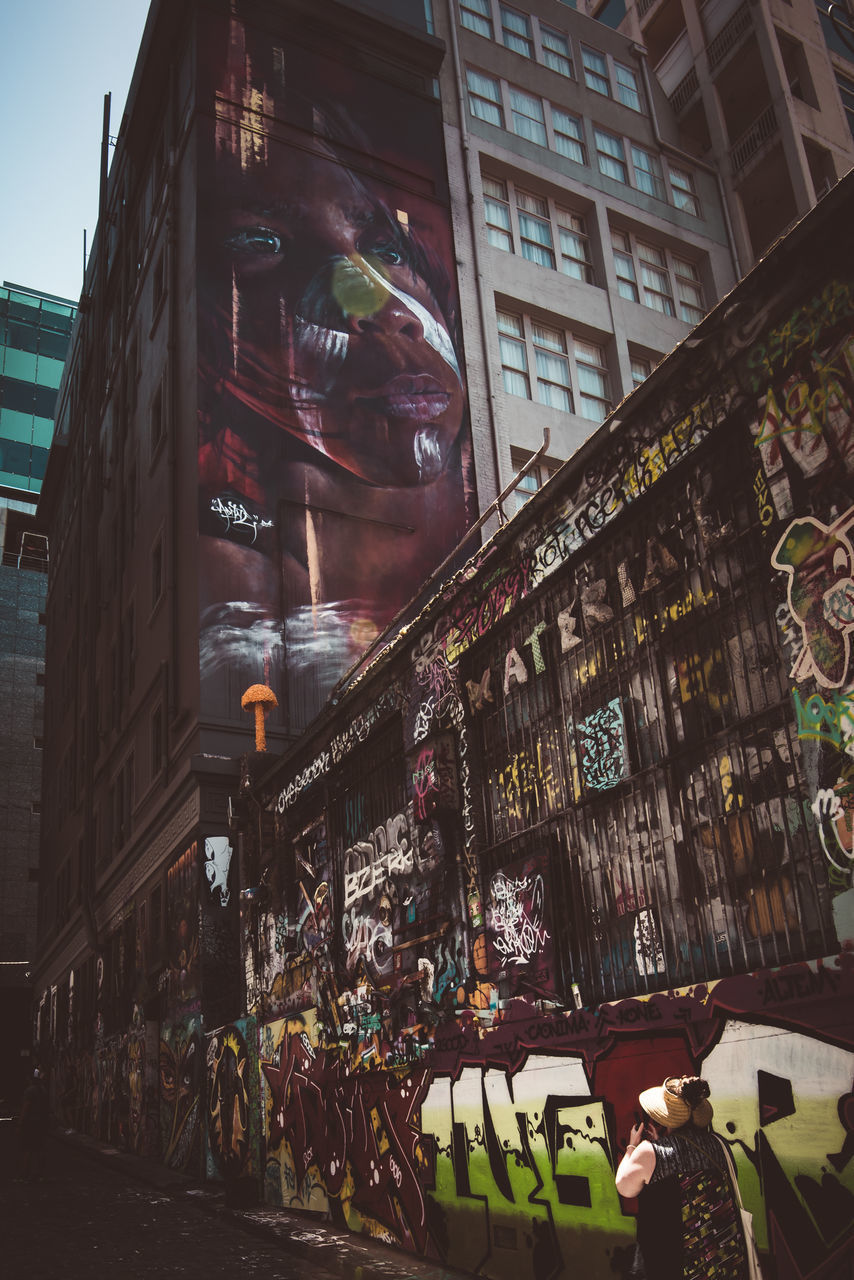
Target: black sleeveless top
column 689, row 1224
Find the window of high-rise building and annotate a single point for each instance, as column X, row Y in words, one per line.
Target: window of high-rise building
column 535, row 233
column 657, row 290
column 593, row 381
column 610, row 155
column 658, row 278
column 484, row 94
column 554, row 387
column 34, row 335
column 628, row 87
column 533, row 479
column 516, row 31
column 641, row 369
column 556, row 52
column 575, row 257
column 689, row 290
column 571, row 372
column 475, row 15
column 682, row 191
column 568, row 135
column 496, row 204
column 539, row 229
column 514, row 358
column 528, row 116
column 595, row 71
column 647, row 172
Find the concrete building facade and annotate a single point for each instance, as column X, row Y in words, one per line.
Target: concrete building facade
column 762, row 92
column 589, row 242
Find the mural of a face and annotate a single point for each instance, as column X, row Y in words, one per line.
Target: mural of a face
column 334, row 438
column 341, row 341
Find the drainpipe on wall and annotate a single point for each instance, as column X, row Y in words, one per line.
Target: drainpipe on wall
column 171, row 374
column 473, row 229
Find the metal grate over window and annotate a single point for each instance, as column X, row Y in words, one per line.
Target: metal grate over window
column 640, row 743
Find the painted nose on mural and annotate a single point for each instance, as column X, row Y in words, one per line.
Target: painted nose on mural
column 369, row 302
column 392, row 319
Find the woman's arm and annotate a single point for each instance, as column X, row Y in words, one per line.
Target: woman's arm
column 637, row 1165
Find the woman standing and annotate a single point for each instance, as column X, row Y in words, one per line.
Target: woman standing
column 689, row 1220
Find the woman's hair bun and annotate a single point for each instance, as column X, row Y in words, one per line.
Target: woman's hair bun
column 694, row 1090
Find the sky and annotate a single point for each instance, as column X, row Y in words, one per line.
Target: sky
column 57, row 60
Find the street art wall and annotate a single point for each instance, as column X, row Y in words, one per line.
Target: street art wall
column 587, row 823
column 334, row 441
column 623, row 733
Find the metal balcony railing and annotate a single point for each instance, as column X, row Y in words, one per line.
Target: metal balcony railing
column 684, row 91
column 763, row 128
column 729, row 35
column 644, row 6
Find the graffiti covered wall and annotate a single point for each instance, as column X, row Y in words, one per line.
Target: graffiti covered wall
column 629, row 726
column 585, row 825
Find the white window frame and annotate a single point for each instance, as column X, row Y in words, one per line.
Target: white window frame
column 636, row 261
column 551, row 367
column 688, row 280
column 560, row 120
column 537, row 122
column 683, row 194
column 499, row 227
column 556, row 59
column 599, row 134
column 509, row 34
column 479, row 12
column 599, row 81
column 628, row 87
column 594, row 362
column 519, row 209
column 656, row 284
column 641, row 367
column 511, row 339
column 532, row 212
column 647, row 172
column 534, row 378
column 533, row 479
column 475, row 96
column 572, row 263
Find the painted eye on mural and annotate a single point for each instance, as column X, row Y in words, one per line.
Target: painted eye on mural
column 255, row 242
column 385, row 251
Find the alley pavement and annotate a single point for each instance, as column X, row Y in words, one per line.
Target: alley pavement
column 319, row 1247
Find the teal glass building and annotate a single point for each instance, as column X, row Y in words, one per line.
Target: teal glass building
column 34, row 333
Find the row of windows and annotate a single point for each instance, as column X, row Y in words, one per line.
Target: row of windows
column 542, row 231
column 550, row 126
column 569, row 373
column 657, row 278
column 43, row 312
column 536, row 40
column 553, row 236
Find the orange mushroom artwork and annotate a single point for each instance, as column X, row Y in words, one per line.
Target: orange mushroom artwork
column 261, row 698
